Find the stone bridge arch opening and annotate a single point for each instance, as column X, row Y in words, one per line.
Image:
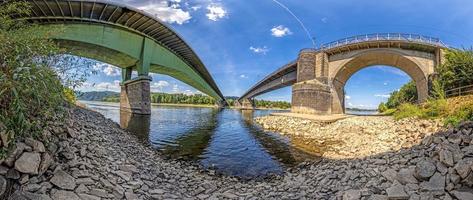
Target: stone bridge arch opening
column 415, row 64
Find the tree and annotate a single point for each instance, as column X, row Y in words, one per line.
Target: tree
column 457, row 69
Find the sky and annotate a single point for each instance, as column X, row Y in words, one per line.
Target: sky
column 242, row 41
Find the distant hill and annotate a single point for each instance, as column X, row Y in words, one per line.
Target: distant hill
column 96, row 95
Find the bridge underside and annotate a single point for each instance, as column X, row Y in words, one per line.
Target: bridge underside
column 124, row 37
column 318, row 77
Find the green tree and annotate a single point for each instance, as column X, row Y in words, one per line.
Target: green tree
column 457, row 69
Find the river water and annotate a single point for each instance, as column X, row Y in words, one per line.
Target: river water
column 224, row 140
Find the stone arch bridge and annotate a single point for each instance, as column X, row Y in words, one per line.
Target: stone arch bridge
column 318, row 76
column 125, row 37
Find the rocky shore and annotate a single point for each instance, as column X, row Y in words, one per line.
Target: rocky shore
column 90, row 157
column 354, row 137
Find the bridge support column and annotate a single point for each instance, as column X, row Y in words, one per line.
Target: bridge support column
column 311, row 97
column 135, row 96
column 245, row 104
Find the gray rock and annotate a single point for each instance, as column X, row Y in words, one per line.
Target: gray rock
column 396, row 192
column 35, row 144
column 3, row 170
column 99, row 193
column 425, row 169
column 63, row 180
column 446, row 157
column 130, row 196
column 406, row 176
column 436, row 183
column 28, row 163
column 463, row 167
column 463, row 194
column 3, row 185
column 378, row 197
column 88, row 197
column 13, row 174
column 18, row 149
column 46, row 161
column 65, row 195
column 21, row 195
column 352, row 195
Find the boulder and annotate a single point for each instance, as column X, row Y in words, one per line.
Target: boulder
column 46, row 161
column 463, row 194
column 397, row 192
column 352, row 195
column 35, row 144
column 3, row 185
column 425, row 169
column 64, row 195
column 28, row 163
column 63, row 180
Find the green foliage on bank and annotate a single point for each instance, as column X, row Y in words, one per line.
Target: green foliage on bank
column 457, row 69
column 30, row 90
column 36, row 76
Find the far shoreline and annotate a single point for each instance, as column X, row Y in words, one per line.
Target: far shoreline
column 186, row 105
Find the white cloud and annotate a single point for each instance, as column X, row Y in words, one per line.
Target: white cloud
column 170, row 12
column 158, row 86
column 195, row 8
column 243, row 76
column 347, row 97
column 385, row 83
column 259, row 50
column 324, row 20
column 280, row 31
column 382, row 95
column 215, row 12
column 107, row 69
column 112, row 71
column 108, row 86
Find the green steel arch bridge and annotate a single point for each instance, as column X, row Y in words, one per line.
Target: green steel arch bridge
column 128, row 38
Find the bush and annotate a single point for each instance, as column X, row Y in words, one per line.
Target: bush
column 30, row 90
column 408, row 110
column 407, row 94
column 382, row 107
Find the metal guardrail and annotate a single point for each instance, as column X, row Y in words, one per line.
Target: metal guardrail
column 459, row 91
column 384, row 37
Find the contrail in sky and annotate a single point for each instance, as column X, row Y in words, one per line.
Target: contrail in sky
column 298, row 20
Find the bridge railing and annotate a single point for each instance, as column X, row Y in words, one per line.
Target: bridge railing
column 459, row 91
column 383, row 36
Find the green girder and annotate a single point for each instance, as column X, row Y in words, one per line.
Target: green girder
column 127, row 50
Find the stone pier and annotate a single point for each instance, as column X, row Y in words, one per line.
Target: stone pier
column 135, row 96
column 245, row 104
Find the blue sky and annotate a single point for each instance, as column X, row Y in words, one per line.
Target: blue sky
column 241, row 41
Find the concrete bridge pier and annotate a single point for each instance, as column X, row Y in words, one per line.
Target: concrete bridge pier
column 312, row 94
column 135, row 95
column 245, row 104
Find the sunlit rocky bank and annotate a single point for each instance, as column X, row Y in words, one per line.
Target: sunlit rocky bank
column 354, row 137
column 92, row 158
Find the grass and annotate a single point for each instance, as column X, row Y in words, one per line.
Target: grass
column 453, row 110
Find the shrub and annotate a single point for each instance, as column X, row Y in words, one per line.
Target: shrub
column 462, row 113
column 382, row 107
column 408, row 110
column 30, row 90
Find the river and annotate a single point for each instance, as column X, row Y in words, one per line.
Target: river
column 224, row 140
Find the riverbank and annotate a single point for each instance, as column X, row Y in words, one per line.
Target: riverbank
column 92, row 158
column 353, row 137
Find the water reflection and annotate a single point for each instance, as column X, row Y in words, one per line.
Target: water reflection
column 225, row 140
column 137, row 124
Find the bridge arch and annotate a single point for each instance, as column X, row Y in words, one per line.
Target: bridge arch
column 415, row 64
